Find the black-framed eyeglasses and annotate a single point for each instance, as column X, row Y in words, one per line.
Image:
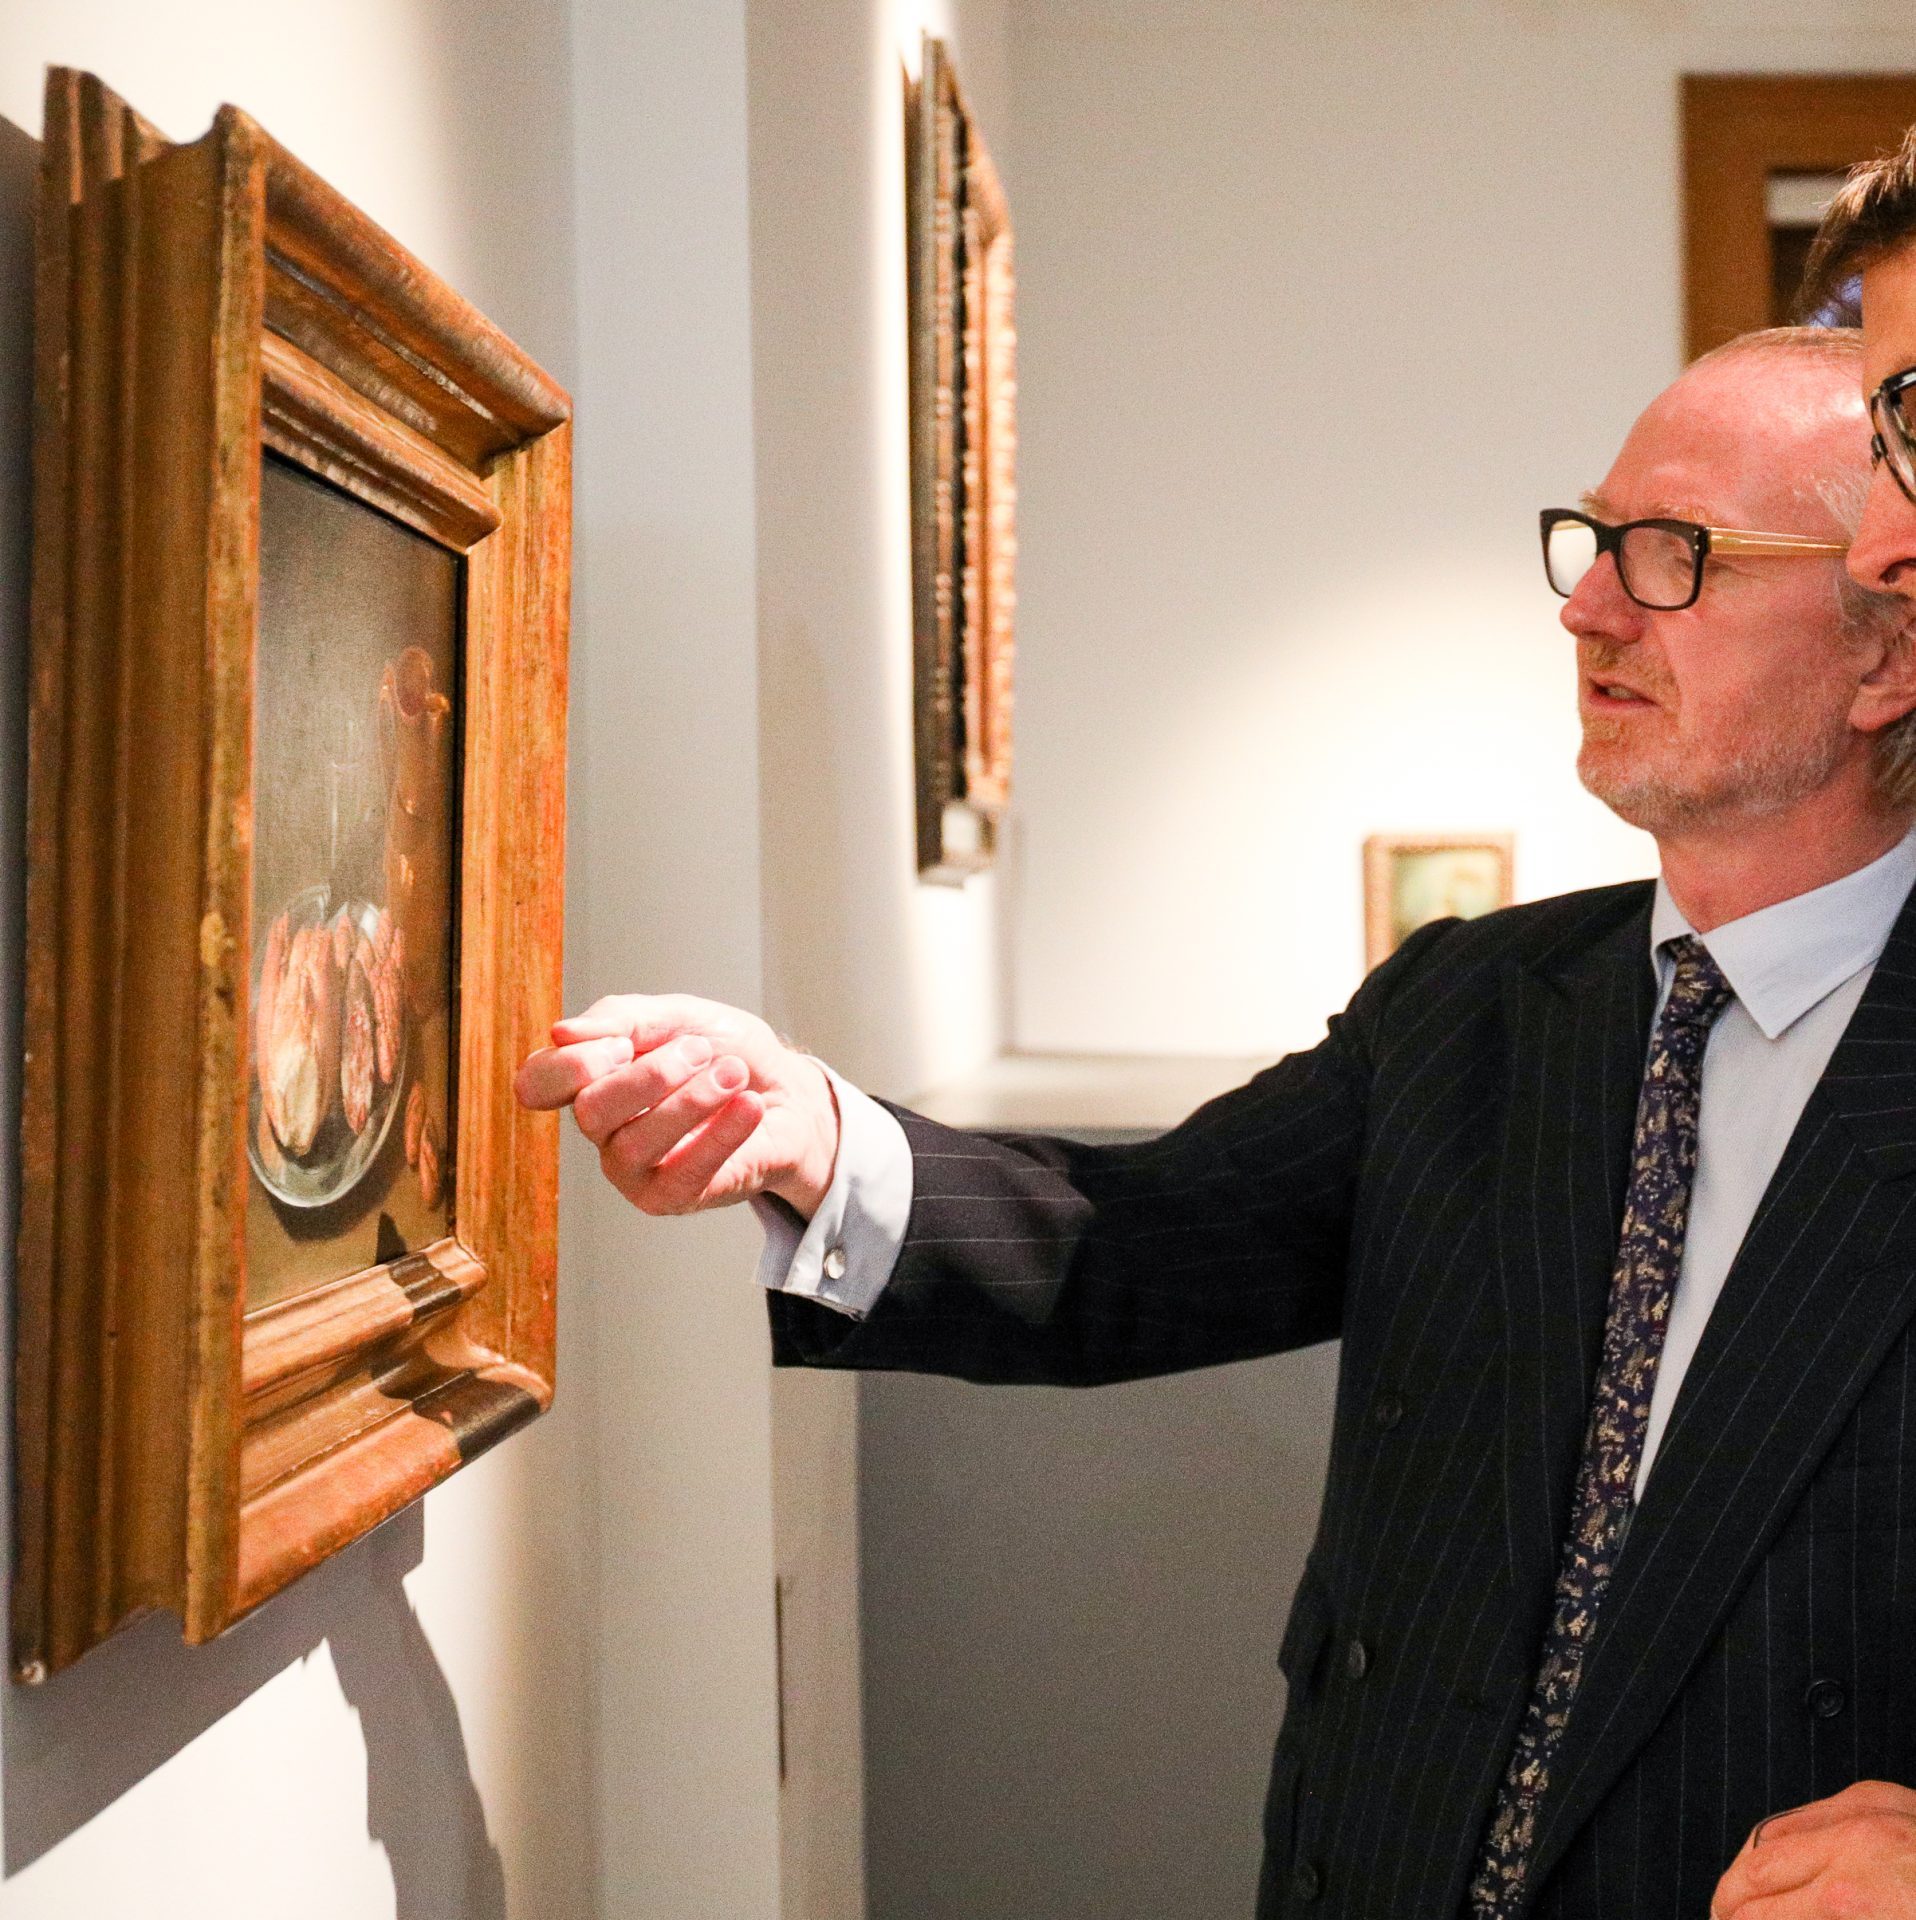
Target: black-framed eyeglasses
column 1894, row 444
column 1659, row 562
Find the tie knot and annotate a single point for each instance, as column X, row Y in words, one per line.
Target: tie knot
column 1699, row 991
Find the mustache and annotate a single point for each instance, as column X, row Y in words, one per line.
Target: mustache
column 1599, row 657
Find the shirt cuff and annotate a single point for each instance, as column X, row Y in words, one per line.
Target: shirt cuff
column 845, row 1256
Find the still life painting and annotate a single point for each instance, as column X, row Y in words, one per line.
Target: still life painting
column 1411, row 880
column 353, row 862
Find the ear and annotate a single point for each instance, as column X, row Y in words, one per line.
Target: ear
column 1887, row 689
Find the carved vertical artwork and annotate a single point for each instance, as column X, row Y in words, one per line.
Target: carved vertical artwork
column 964, row 447
column 991, row 500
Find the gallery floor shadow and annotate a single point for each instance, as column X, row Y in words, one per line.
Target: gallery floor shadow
column 71, row 1748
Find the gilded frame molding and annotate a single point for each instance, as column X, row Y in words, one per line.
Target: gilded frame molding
column 964, row 433
column 196, row 306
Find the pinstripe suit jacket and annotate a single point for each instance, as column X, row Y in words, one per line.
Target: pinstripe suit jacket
column 1441, row 1183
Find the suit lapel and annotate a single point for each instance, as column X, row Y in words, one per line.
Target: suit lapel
column 1871, row 1080
column 1823, row 1285
column 1579, row 1026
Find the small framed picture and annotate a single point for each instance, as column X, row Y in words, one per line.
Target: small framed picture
column 296, row 804
column 1413, row 879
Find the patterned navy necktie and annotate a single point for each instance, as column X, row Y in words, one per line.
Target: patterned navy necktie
column 1662, row 1169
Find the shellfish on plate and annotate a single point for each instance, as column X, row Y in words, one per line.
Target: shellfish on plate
column 329, row 1046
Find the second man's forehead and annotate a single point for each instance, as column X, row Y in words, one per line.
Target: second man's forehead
column 1889, row 316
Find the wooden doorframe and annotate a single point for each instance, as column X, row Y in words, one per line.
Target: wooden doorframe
column 1738, row 129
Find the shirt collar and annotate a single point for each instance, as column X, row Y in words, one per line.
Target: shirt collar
column 1782, row 960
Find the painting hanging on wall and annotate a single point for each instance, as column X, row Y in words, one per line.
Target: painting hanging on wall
column 963, row 365
column 1412, row 879
column 355, row 805
column 295, row 808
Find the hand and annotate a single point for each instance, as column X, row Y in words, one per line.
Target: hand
column 1851, row 1855
column 691, row 1104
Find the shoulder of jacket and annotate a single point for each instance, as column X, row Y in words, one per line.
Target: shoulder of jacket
column 1565, row 919
column 1534, row 932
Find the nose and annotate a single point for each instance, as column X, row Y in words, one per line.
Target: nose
column 1883, row 554
column 1599, row 609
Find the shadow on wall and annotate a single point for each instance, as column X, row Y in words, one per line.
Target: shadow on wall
column 69, row 1749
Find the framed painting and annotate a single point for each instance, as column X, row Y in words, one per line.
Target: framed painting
column 1411, row 880
column 295, row 805
column 964, row 439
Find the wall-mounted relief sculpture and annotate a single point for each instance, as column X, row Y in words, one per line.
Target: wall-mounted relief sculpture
column 964, row 438
column 296, row 809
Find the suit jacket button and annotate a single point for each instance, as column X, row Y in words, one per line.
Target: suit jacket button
column 1307, row 1880
column 1386, row 1411
column 1826, row 1698
column 1357, row 1660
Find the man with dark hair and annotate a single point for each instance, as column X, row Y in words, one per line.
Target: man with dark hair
column 1866, row 248
column 1855, row 1851
column 1872, row 217
column 1611, row 1199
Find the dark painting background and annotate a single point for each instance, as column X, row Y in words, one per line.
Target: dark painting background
column 343, row 592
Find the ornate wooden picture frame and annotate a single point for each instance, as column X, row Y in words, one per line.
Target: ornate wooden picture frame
column 208, row 314
column 964, row 436
column 1413, row 879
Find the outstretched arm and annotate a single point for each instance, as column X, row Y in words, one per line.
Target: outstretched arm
column 1022, row 1258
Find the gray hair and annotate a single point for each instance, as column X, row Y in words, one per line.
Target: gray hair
column 1831, row 346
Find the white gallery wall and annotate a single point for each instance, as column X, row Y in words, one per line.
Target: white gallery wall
column 895, row 983
column 663, row 870
column 1318, row 305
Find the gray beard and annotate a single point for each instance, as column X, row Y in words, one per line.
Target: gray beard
column 1765, row 778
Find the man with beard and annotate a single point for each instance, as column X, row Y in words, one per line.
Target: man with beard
column 1609, row 1198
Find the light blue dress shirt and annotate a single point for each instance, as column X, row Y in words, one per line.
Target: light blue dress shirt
column 845, row 1256
column 1798, row 969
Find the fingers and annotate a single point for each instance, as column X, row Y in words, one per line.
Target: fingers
column 1865, row 1796
column 622, row 1095
column 645, row 1019
column 640, row 1140
column 1775, row 1867
column 1866, row 1827
column 1780, row 1906
column 693, row 1176
column 555, row 1076
column 670, row 1088
column 666, row 1160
